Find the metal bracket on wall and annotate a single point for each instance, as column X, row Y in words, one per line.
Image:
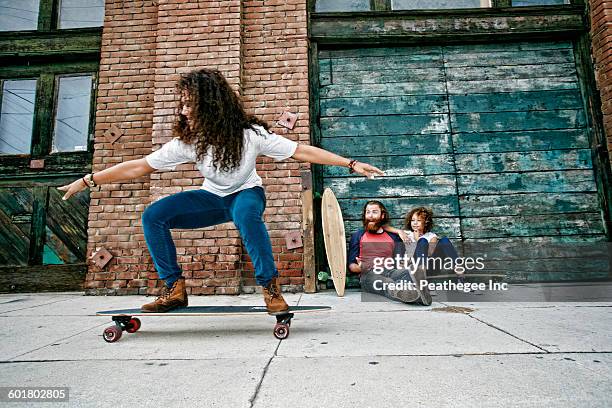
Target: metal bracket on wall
column 113, row 134
column 287, row 120
column 293, row 240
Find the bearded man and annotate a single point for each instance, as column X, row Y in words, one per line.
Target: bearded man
column 368, row 249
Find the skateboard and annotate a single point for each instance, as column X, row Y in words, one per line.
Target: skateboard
column 125, row 321
column 335, row 241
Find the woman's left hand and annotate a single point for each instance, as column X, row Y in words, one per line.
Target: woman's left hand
column 367, row 170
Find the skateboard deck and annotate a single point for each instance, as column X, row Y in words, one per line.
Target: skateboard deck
column 335, row 241
column 125, row 321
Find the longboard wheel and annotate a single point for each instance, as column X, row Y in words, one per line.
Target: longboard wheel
column 281, row 331
column 112, row 334
column 133, row 325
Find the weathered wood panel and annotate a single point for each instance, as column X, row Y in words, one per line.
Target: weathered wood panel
column 16, row 206
column 385, row 125
column 529, row 203
column 498, row 147
column 516, row 101
column 520, row 141
column 535, row 182
column 439, row 185
column 532, row 225
column 412, row 165
column 388, row 145
column 542, row 160
column 408, row 104
column 445, row 206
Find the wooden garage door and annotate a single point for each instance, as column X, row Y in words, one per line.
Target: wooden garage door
column 492, row 137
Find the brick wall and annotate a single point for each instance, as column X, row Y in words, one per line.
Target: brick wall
column 261, row 48
column 601, row 33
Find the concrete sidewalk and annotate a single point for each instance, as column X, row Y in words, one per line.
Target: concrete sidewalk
column 360, row 354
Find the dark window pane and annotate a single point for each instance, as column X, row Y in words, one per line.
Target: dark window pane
column 72, row 114
column 18, row 15
column 521, row 3
column 81, row 13
column 17, row 116
column 438, row 4
column 342, row 5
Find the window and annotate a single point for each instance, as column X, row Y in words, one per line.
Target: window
column 323, row 6
column 81, row 13
column 522, row 3
column 72, row 114
column 61, row 105
column 438, row 4
column 17, row 116
column 50, row 15
column 19, row 15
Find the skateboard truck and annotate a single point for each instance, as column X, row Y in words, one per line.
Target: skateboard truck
column 283, row 322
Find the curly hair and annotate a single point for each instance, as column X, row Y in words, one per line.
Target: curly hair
column 383, row 210
column 218, row 118
column 427, row 213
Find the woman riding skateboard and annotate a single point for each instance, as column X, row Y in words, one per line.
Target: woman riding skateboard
column 213, row 130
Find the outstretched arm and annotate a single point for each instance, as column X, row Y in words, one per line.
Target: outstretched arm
column 312, row 154
column 128, row 170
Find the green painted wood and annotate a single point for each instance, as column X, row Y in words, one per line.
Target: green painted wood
column 432, row 60
column 445, row 206
column 374, row 75
column 529, row 203
column 510, row 71
column 508, row 58
column 37, row 236
column 52, row 44
column 530, row 120
column 520, row 141
column 516, row 101
column 385, row 125
column 518, row 164
column 532, row 225
column 446, row 26
column 15, row 225
column 540, row 247
column 440, row 185
column 412, row 165
column 325, row 72
column 43, row 116
column 510, row 183
column 67, row 225
column 368, row 90
column 413, row 104
column 513, row 85
column 547, row 160
column 388, row 145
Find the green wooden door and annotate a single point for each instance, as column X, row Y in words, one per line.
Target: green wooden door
column 492, row 137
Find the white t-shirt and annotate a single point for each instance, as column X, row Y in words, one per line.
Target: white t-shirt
column 256, row 142
column 428, row 236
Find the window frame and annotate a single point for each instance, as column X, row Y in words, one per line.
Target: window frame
column 385, row 5
column 47, row 89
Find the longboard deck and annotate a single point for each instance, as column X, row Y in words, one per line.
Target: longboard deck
column 125, row 320
column 210, row 311
column 335, row 241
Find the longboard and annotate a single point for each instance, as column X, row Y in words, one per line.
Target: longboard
column 125, row 321
column 335, row 241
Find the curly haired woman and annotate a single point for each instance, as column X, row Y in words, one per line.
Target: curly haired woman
column 213, row 130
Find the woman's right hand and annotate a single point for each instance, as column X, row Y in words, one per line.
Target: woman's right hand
column 73, row 188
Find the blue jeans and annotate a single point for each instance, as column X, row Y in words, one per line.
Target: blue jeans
column 444, row 249
column 200, row 208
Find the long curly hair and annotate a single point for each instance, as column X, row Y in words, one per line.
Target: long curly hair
column 218, row 118
column 426, row 213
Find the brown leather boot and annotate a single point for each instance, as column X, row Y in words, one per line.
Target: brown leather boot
column 168, row 299
column 274, row 299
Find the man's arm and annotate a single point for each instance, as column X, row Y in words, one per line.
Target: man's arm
column 353, row 252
